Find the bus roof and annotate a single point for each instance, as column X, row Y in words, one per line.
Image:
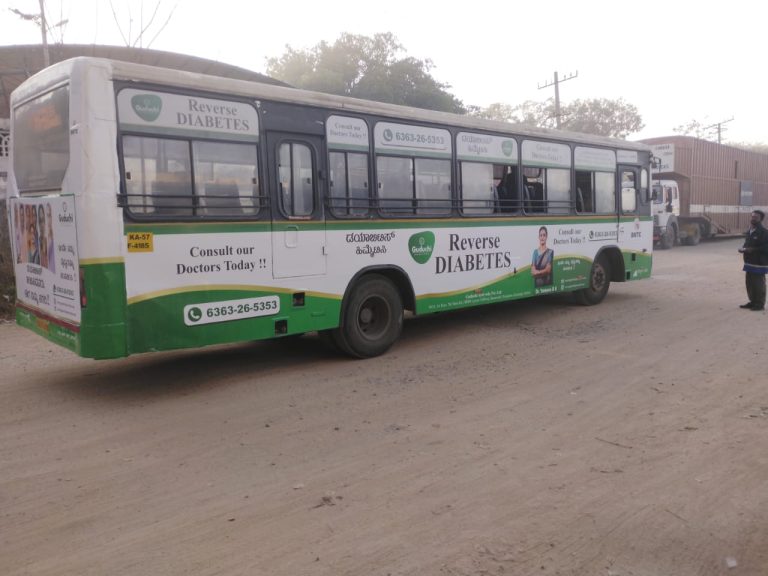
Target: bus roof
column 131, row 72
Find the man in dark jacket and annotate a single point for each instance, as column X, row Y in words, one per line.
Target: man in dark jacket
column 755, row 251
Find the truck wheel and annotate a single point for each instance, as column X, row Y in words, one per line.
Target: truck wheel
column 599, row 282
column 668, row 238
column 694, row 236
column 372, row 318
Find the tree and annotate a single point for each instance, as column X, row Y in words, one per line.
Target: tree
column 691, row 128
column 365, row 67
column 603, row 117
column 144, row 25
column 599, row 116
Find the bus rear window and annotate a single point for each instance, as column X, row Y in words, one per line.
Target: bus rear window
column 40, row 141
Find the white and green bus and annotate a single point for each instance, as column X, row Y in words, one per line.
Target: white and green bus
column 153, row 209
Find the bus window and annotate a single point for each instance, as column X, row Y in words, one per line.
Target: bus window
column 41, row 141
column 507, row 188
column 628, row 192
column 433, row 186
column 645, row 194
column 546, row 190
column 558, row 190
column 414, row 185
column 226, row 178
column 585, row 191
column 395, row 185
column 595, row 192
column 158, row 176
column 546, row 177
column 349, row 184
column 296, row 175
column 478, row 191
column 605, row 193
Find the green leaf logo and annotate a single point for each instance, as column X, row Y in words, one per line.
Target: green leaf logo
column 147, row 106
column 421, row 246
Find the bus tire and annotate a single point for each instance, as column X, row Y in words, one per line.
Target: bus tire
column 372, row 318
column 599, row 282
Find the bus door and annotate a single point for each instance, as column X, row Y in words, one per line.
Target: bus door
column 629, row 184
column 295, row 166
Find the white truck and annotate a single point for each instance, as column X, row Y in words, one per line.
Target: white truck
column 703, row 189
column 669, row 227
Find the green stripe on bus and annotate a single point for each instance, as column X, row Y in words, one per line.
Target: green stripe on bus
column 144, row 318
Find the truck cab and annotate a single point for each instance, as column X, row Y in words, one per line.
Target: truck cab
column 666, row 213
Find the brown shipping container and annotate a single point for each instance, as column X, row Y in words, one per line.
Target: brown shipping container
column 711, row 177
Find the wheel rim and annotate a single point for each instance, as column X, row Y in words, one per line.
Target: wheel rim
column 373, row 317
column 598, row 277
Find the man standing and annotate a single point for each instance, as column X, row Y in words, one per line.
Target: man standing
column 755, row 251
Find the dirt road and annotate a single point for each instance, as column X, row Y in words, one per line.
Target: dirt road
column 535, row 437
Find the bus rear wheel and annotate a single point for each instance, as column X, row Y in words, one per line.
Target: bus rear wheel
column 599, row 282
column 372, row 318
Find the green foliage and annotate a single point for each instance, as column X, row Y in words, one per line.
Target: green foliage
column 365, row 67
column 599, row 116
column 603, row 117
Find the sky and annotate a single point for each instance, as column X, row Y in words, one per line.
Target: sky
column 676, row 61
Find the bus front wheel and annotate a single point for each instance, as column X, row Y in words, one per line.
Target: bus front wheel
column 599, row 282
column 372, row 318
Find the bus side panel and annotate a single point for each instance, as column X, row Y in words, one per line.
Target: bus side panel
column 102, row 331
column 204, row 317
column 462, row 263
column 192, row 285
column 103, row 328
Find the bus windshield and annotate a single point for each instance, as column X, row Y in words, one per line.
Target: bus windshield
column 41, row 141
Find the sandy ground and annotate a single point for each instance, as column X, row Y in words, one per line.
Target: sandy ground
column 535, row 437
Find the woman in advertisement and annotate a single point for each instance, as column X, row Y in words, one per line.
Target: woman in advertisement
column 541, row 263
column 22, row 235
column 42, row 230
column 51, row 246
column 33, row 241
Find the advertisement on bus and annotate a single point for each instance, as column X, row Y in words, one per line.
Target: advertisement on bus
column 44, row 245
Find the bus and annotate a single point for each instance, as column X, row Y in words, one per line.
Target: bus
column 154, row 209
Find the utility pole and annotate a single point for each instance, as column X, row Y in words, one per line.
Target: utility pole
column 44, row 30
column 719, row 126
column 556, row 83
column 39, row 20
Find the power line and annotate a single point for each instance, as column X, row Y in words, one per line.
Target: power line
column 720, row 128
